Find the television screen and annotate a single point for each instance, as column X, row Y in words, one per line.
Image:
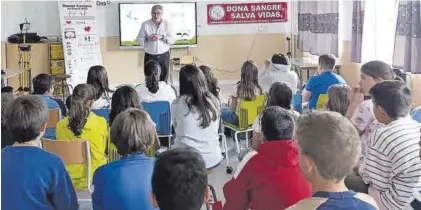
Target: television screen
column 181, row 16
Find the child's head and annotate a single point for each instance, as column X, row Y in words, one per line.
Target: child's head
column 180, row 180
column 210, row 80
column 392, row 99
column 329, row 146
column 43, row 83
column 28, row 118
column 277, row 124
column 338, row 98
column 152, row 72
column 326, row 63
column 280, row 58
column 80, row 105
column 249, row 81
column 193, row 84
column 98, row 78
column 374, row 72
column 133, row 132
column 123, row 98
column 7, row 89
column 280, row 95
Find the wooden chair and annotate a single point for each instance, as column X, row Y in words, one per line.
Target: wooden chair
column 71, row 152
column 54, row 115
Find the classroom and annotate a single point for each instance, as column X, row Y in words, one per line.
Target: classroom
column 223, row 105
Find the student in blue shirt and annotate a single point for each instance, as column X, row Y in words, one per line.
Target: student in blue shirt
column 31, row 177
column 125, row 184
column 43, row 86
column 416, row 114
column 320, row 83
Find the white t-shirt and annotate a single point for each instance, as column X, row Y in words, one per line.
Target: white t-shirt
column 257, row 127
column 278, row 73
column 164, row 93
column 103, row 101
column 190, row 133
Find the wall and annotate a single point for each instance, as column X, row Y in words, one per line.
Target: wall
column 224, row 47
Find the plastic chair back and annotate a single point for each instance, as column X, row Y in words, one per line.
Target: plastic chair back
column 322, row 101
column 249, row 110
column 160, row 113
column 105, row 113
column 71, row 152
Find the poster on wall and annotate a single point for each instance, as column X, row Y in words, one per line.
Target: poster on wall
column 78, row 20
column 243, row 13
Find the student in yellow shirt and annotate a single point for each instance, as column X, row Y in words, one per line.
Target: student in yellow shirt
column 81, row 123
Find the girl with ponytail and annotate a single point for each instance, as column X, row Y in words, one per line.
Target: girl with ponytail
column 81, row 123
column 153, row 89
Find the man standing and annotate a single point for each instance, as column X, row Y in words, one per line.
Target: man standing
column 155, row 36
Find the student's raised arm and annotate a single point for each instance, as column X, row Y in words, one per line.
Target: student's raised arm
column 62, row 193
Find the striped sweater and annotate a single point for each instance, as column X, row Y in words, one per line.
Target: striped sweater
column 393, row 165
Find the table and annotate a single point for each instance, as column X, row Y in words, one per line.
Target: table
column 23, row 74
column 308, row 64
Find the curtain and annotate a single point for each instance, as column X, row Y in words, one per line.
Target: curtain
column 318, row 27
column 407, row 52
column 357, row 31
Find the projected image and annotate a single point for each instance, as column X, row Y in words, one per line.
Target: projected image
column 181, row 16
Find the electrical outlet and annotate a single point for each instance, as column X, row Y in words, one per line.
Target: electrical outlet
column 263, row 27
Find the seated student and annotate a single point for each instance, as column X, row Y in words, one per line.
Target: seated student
column 123, row 98
column 126, row 183
column 392, row 167
column 31, row 177
column 360, row 109
column 43, row 85
column 269, row 176
column 416, row 203
column 98, row 78
column 81, row 123
column 279, row 95
column 195, row 116
column 210, row 80
column 246, row 89
column 6, row 137
column 416, row 114
column 329, row 148
column 180, row 180
column 338, row 98
column 279, row 70
column 155, row 90
column 320, row 83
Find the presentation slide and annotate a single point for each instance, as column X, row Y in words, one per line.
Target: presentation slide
column 181, row 16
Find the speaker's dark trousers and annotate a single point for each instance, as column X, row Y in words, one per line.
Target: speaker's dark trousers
column 164, row 62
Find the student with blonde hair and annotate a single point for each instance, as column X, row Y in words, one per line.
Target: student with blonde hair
column 338, row 98
column 329, row 148
column 126, row 183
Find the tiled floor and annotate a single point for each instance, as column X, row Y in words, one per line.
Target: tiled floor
column 217, row 178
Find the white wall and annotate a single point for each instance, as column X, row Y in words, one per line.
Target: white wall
column 44, row 19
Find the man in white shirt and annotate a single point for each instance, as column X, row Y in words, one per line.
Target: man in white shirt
column 155, row 36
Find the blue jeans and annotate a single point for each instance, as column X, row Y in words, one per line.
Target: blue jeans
column 228, row 115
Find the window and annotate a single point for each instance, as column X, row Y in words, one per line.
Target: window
column 379, row 30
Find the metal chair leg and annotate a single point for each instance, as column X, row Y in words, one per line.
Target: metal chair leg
column 236, row 142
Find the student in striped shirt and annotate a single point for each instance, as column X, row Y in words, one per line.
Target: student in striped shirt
column 393, row 167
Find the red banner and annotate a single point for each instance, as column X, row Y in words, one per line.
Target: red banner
column 268, row 12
